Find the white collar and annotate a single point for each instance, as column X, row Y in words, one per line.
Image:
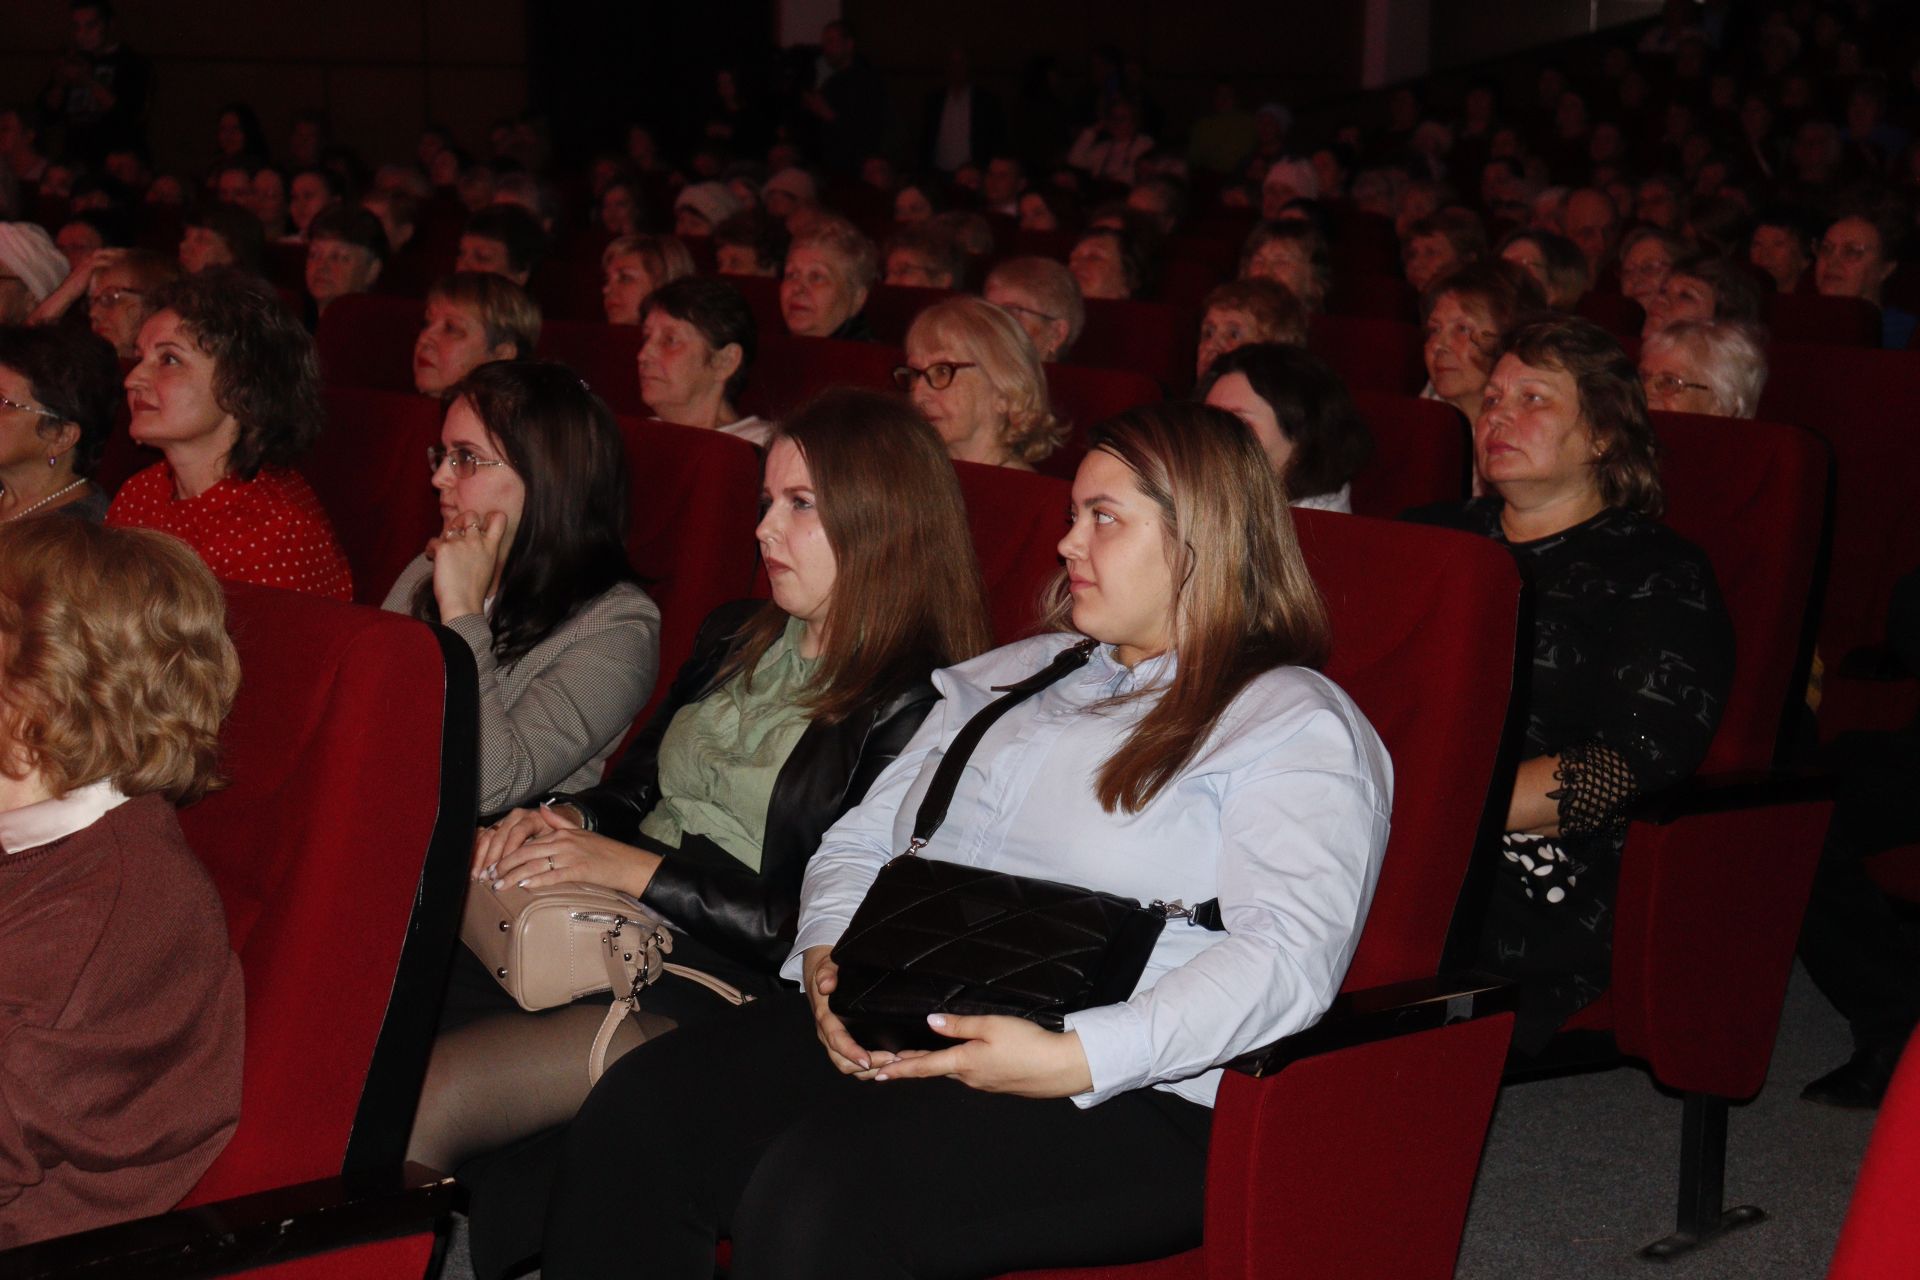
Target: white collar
column 44, row 822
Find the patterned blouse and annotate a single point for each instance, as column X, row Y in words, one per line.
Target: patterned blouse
column 270, row 530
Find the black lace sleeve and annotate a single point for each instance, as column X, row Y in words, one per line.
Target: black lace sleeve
column 1596, row 786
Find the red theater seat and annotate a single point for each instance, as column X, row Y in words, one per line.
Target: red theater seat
column 1085, row 398
column 1017, row 520
column 1340, row 1135
column 1613, row 312
column 788, row 372
column 366, row 340
column 1147, row 337
column 1380, row 297
column 1818, row 319
column 892, row 307
column 604, row 355
column 369, row 470
column 1379, row 355
column 339, row 849
column 1422, row 453
column 567, row 286
column 763, row 296
column 1881, row 1237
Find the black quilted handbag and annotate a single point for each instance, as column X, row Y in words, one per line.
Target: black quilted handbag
column 939, row 937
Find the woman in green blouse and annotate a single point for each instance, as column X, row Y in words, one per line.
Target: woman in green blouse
column 775, row 726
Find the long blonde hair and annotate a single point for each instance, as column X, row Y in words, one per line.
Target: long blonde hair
column 1243, row 602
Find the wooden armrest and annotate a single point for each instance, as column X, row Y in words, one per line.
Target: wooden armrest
column 1725, row 792
column 247, row 1231
column 1382, row 1013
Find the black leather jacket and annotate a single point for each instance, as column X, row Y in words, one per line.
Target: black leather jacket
column 703, row 889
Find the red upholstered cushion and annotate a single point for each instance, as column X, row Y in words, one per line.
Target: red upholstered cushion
column 788, row 372
column 1017, row 520
column 1380, row 355
column 1421, row 453
column 402, row 1259
column 333, row 757
column 602, row 354
column 1881, row 1237
column 366, row 340
column 1752, row 495
column 1424, row 626
column 369, row 469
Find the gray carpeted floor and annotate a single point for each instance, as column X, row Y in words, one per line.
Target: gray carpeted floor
column 1581, row 1171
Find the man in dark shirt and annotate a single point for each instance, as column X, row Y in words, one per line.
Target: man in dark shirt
column 849, row 104
column 99, row 91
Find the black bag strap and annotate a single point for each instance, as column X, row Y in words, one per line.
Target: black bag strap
column 946, row 779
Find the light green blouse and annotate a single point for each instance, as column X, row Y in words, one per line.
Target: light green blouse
column 720, row 755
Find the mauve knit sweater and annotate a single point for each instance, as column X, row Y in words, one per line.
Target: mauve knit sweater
column 120, row 1025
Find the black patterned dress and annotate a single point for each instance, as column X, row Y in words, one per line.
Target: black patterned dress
column 1632, row 659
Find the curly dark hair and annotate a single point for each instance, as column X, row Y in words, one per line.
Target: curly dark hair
column 265, row 372
column 74, row 374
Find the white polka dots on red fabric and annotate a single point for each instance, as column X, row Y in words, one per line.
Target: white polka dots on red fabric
column 269, row 531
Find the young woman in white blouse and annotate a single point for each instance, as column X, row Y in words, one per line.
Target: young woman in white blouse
column 1196, row 756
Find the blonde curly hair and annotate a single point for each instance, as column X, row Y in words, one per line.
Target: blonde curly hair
column 993, row 338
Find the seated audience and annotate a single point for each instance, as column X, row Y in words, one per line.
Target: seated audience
column 472, row 318
column 621, row 207
column 1782, row 245
column 1163, row 200
column 776, row 726
column 1717, row 367
column 1647, row 255
column 974, row 373
column 1633, row 652
column 1044, row 297
column 823, row 294
column 1440, row 244
column 1198, row 705
column 31, row 268
column 1593, row 224
column 345, row 251
column 1294, row 254
column 1241, row 312
column 702, row 206
column 1704, row 287
column 1109, row 150
column 120, row 997
column 222, row 235
column 59, row 387
column 1468, row 316
column 505, row 239
column 268, row 202
column 1047, row 209
column 1107, row 264
column 923, row 256
column 115, row 283
column 1858, row 253
column 399, row 214
column 916, row 201
column 1553, row 260
column 787, row 193
column 699, row 344
column 632, row 267
column 531, row 570
column 311, row 193
column 1300, row 413
column 228, row 390
column 750, row 244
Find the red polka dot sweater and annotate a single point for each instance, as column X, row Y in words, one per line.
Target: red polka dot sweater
column 269, row 530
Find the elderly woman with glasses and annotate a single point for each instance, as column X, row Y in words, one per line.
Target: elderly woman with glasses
column 1716, row 367
column 530, row 568
column 58, row 388
column 1045, row 298
column 975, row 375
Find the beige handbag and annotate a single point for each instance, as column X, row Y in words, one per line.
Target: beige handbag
column 552, row 945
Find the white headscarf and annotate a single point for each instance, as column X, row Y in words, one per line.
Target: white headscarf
column 29, row 252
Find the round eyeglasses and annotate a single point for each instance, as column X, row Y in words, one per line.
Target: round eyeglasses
column 465, row 461
column 939, row 375
column 1669, row 384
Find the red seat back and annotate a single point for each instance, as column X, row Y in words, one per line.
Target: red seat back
column 1380, row 355
column 1364, row 244
column 1017, row 519
column 366, row 340
column 345, row 803
column 286, row 265
column 1424, row 629
column 369, row 471
column 1152, row 338
column 604, row 355
column 1882, row 1232
column 567, row 286
column 1616, row 313
column 1818, row 319
column 763, row 298
column 788, row 372
column 695, row 502
column 1422, row 453
column 1752, row 495
column 1085, row 398
column 892, row 307
column 1381, row 297
column 1861, row 402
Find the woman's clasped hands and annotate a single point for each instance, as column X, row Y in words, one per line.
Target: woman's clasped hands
column 533, row 848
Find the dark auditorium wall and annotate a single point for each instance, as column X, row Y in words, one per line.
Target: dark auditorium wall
column 382, row 68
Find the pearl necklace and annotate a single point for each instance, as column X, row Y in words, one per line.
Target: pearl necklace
column 56, row 494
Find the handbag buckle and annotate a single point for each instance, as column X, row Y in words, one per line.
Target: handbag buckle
column 914, row 845
column 1175, row 910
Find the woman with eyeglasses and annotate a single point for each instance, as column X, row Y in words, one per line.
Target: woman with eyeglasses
column 1632, row 650
column 530, row 568
column 1716, row 367
column 972, row 370
column 227, row 388
column 57, row 392
column 775, row 727
column 1045, row 298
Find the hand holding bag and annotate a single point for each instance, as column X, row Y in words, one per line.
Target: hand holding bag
column 939, row 937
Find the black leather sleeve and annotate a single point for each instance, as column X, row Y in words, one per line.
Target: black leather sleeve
column 754, row 917
column 616, row 807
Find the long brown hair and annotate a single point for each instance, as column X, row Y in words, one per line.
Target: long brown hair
column 907, row 595
column 1243, row 602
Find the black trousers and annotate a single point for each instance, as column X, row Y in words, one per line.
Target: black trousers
column 740, row 1127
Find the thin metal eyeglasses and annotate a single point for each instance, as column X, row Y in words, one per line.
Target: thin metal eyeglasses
column 1669, row 384
column 465, row 461
column 28, row 408
column 1017, row 309
column 114, row 297
column 939, row 375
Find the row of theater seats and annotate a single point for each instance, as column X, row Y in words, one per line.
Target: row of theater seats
column 346, row 702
